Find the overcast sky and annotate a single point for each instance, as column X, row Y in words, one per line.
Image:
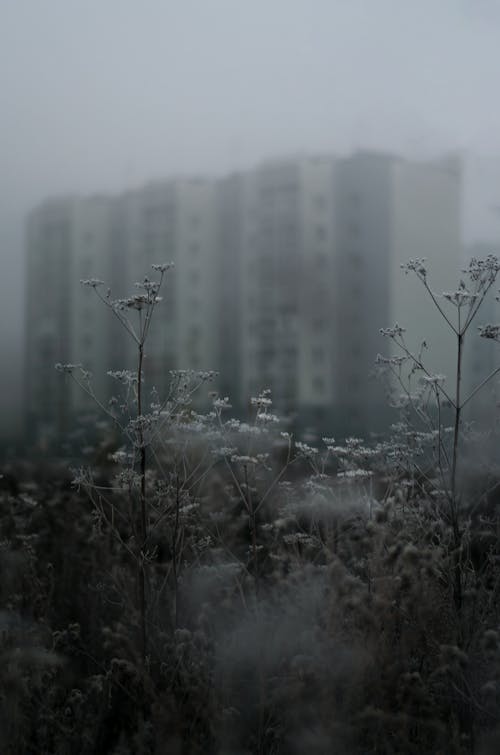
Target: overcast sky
column 102, row 94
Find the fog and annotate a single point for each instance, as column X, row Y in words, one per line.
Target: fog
column 99, row 97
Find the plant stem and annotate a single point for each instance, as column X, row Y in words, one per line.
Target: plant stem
column 144, row 533
column 453, row 481
column 174, row 551
column 253, row 530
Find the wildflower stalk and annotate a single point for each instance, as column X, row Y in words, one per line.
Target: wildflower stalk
column 144, row 530
column 175, row 536
column 144, row 304
column 467, row 302
column 253, row 529
column 454, row 497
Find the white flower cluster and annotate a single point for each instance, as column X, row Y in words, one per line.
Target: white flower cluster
column 490, row 331
column 188, row 375
column 298, row 538
column 67, row 368
column 393, row 332
column 92, row 282
column 245, row 428
column 162, row 267
column 127, row 478
column 138, row 302
column 244, row 460
column 304, row 450
column 486, row 269
column 396, row 361
column 120, row 457
column 263, row 400
column 267, row 417
column 432, row 379
column 124, row 376
column 417, row 266
column 355, row 474
column 221, row 403
column 224, row 451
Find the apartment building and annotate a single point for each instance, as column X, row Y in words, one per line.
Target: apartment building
column 390, row 210
column 284, row 275
column 117, row 240
column 67, row 239
column 173, row 221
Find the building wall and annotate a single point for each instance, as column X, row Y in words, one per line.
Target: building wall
column 363, row 207
column 49, row 271
column 91, row 322
column 317, row 334
column 287, row 278
column 67, row 240
column 235, row 241
column 174, row 221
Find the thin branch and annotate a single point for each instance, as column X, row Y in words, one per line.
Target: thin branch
column 478, row 387
column 440, row 309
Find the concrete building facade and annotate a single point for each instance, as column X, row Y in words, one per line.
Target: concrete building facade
column 67, row 239
column 287, row 270
column 389, row 211
column 284, row 275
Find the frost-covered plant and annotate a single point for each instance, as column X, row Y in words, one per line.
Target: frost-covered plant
column 144, row 424
column 426, row 394
column 299, row 598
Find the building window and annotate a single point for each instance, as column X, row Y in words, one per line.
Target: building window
column 194, row 333
column 354, row 382
column 195, row 361
column 318, row 355
column 319, row 202
column 319, row 384
column 356, row 259
column 319, row 324
column 321, row 260
column 357, row 289
column 86, row 341
column 86, row 266
column 355, row 348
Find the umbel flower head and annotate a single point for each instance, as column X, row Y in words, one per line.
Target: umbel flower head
column 417, row 266
column 67, row 368
column 162, row 267
column 92, row 282
column 489, row 331
column 394, row 332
